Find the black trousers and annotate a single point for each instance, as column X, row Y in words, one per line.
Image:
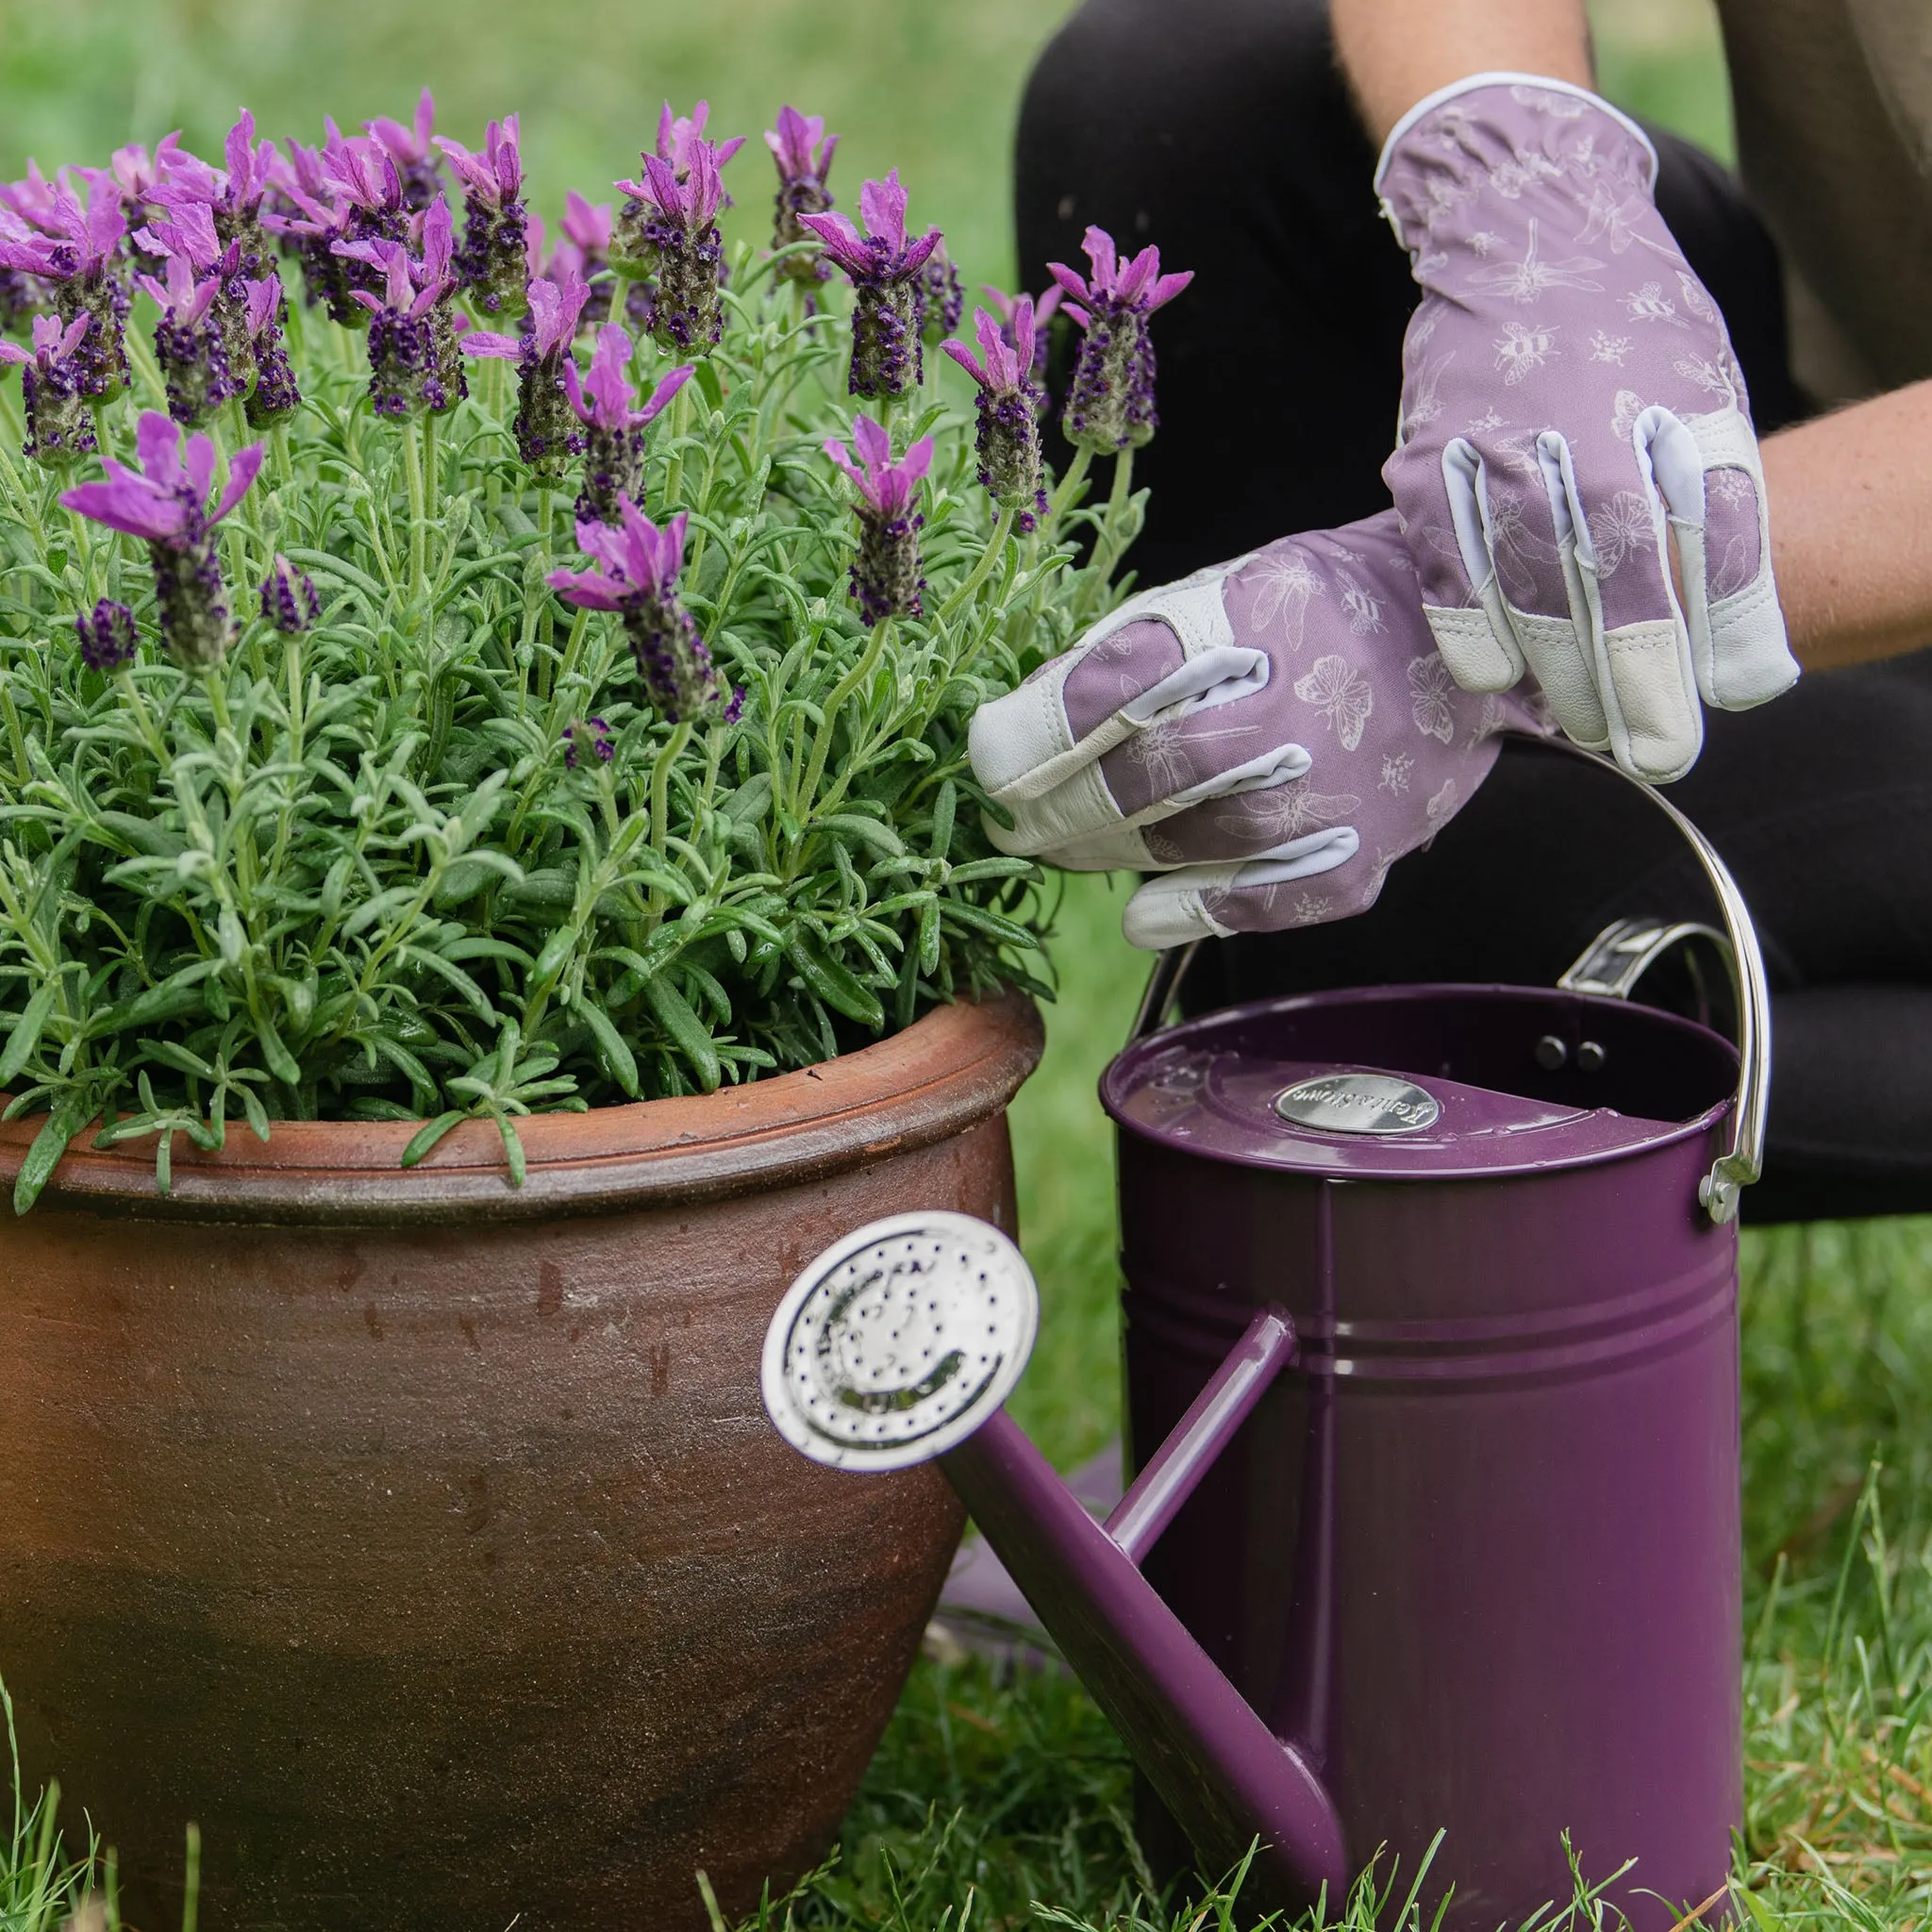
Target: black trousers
column 1221, row 131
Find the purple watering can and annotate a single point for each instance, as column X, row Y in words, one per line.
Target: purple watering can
column 1431, row 1350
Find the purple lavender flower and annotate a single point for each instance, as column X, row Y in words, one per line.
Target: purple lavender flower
column 1110, row 398
column 107, row 636
column 22, row 296
column 73, row 248
column 493, row 262
column 137, row 175
column 289, row 599
column 59, row 426
column 308, row 221
column 634, row 244
column 885, row 580
column 415, row 362
column 1009, row 401
column 548, row 433
column 202, row 340
column 413, row 151
column 591, row 733
column 639, row 580
column 678, row 137
column 345, row 197
column 165, row 502
column 884, row 269
column 1045, row 307
column 614, row 432
column 803, row 151
column 276, row 396
column 938, row 299
column 680, row 231
column 233, row 198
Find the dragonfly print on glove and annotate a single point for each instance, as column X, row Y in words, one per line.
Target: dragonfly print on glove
column 1289, row 812
column 1282, row 580
column 1531, row 275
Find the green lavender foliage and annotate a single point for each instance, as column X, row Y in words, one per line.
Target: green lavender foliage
column 350, row 876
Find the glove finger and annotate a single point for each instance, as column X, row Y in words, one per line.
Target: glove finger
column 1738, row 642
column 1445, row 515
column 1261, row 893
column 1240, row 826
column 1332, row 871
column 1638, row 640
column 1560, row 650
column 1160, row 771
column 1167, row 649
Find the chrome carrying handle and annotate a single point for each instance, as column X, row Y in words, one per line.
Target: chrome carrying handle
column 1742, row 1159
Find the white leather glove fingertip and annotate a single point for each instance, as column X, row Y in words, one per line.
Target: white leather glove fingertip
column 1467, row 640
column 1167, row 911
column 1021, row 732
column 1657, row 726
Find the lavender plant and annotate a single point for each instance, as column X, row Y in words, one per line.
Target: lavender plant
column 377, row 743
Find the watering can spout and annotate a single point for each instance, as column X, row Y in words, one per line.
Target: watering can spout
column 900, row 1345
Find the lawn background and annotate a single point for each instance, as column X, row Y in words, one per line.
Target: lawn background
column 988, row 1797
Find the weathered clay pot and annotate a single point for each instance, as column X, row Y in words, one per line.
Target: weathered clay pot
column 426, row 1541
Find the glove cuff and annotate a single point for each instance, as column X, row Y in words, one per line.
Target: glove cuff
column 1477, row 82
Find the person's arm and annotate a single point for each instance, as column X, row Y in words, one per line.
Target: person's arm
column 1397, row 52
column 1850, row 529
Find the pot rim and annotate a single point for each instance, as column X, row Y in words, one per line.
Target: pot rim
column 951, row 1068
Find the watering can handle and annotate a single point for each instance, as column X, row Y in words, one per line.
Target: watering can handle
column 1742, row 1159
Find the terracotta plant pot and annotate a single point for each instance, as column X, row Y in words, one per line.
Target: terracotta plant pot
column 425, row 1540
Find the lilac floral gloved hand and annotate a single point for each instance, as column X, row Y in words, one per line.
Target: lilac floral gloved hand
column 1569, row 401
column 1267, row 737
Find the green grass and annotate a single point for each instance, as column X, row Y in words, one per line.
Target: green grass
column 986, row 1797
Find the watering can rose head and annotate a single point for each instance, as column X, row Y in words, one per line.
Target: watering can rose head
column 382, row 798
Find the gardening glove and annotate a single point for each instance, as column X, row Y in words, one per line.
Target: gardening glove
column 1569, row 397
column 1267, row 737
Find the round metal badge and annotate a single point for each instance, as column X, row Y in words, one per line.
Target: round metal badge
column 1360, row 1103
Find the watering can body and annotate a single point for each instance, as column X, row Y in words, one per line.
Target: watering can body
column 1477, row 1552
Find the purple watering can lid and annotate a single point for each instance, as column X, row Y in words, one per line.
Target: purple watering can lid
column 1445, row 1081
column 1432, row 1082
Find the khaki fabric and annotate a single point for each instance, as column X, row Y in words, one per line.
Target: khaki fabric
column 1834, row 112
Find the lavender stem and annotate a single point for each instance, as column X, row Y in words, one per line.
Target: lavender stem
column 412, row 471
column 1068, row 493
column 661, row 799
column 854, row 680
column 995, row 548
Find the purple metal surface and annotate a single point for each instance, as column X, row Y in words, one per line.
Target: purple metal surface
column 1169, row 1476
column 1219, row 1770
column 1210, row 1085
column 1478, row 1551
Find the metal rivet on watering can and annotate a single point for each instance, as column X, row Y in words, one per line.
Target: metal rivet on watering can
column 1550, row 1053
column 1591, row 1057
